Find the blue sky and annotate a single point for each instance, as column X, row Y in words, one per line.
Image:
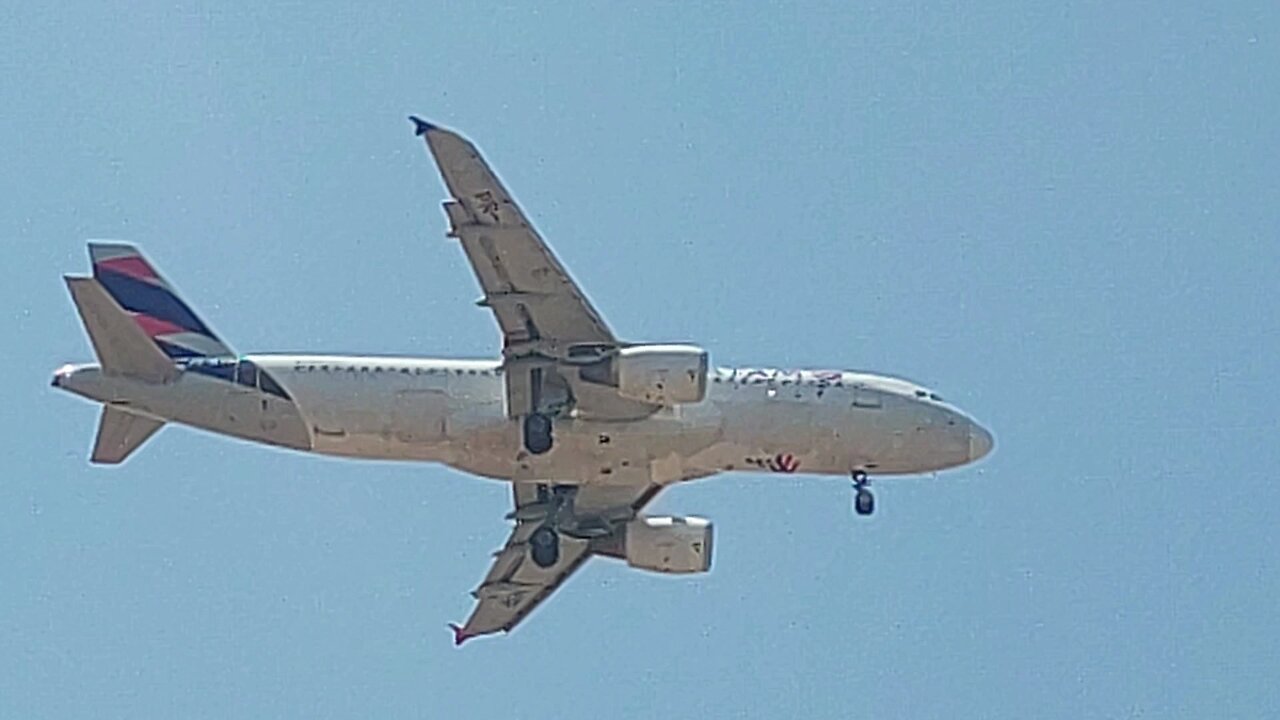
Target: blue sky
column 1063, row 217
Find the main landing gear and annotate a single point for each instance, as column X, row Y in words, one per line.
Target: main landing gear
column 864, row 503
column 544, row 547
column 544, row 543
column 537, row 433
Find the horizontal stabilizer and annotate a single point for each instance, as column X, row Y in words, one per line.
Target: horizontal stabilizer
column 123, row 348
column 120, row 432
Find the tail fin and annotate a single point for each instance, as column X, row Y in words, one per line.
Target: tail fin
column 120, row 432
column 135, row 285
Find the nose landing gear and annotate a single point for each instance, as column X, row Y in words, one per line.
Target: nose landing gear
column 864, row 503
column 544, row 543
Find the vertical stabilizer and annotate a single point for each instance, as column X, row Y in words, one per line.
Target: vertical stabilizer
column 120, row 432
column 135, row 285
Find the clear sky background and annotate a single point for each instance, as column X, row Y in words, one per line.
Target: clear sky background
column 1062, row 217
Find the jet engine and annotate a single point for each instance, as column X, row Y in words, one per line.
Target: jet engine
column 662, row 374
column 669, row 544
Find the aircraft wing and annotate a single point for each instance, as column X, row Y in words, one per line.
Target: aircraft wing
column 539, row 308
column 515, row 585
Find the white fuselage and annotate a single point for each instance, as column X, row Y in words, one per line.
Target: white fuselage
column 452, row 412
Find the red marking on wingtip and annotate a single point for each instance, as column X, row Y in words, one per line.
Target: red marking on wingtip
column 459, row 635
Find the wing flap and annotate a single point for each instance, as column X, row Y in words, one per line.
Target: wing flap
column 545, row 319
column 515, row 586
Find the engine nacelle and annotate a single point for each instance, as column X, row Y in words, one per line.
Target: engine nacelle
column 662, row 374
column 669, row 544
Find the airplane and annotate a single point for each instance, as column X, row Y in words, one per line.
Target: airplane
column 587, row 428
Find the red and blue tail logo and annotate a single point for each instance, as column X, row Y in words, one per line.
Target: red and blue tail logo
column 127, row 276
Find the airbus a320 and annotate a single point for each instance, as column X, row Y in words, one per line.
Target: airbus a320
column 587, row 428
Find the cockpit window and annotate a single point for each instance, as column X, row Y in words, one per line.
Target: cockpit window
column 921, row 394
column 936, row 397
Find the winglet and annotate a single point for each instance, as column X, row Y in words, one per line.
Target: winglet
column 459, row 635
column 420, row 126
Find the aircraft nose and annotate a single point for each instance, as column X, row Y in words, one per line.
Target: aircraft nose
column 980, row 442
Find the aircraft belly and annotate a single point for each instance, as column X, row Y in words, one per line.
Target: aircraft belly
column 396, row 433
column 585, row 451
column 418, row 417
column 771, row 434
column 389, row 420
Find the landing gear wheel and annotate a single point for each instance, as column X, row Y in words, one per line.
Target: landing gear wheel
column 864, row 503
column 544, row 547
column 537, row 433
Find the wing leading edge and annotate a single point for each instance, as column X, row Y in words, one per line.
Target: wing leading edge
column 549, row 328
column 538, row 306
